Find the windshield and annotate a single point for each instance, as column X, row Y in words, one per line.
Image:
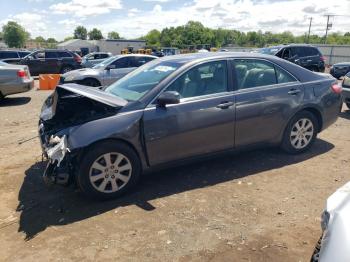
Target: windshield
column 106, row 62
column 133, row 86
column 269, row 50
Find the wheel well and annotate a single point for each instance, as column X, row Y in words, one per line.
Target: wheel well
column 318, row 116
column 82, row 152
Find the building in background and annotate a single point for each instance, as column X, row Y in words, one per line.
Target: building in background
column 104, row 45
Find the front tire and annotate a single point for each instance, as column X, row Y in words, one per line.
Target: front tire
column 300, row 133
column 108, row 169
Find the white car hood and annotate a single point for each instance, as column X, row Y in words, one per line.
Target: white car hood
column 80, row 74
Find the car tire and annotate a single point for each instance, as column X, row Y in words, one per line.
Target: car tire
column 300, row 133
column 66, row 69
column 90, row 82
column 108, row 169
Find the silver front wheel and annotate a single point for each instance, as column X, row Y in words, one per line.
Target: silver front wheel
column 110, row 172
column 301, row 133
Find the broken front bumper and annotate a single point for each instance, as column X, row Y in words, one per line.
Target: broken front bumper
column 58, row 167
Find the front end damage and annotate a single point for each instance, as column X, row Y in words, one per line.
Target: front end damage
column 68, row 108
column 58, row 168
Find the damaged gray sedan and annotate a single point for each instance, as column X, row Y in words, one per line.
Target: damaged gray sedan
column 179, row 108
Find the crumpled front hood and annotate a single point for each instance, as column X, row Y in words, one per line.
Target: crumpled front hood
column 73, row 104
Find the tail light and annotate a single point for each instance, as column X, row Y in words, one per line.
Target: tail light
column 323, row 58
column 77, row 59
column 336, row 88
column 21, row 73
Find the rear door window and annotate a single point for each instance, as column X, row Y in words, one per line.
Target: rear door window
column 102, row 56
column 283, row 76
column 50, row 55
column 139, row 61
column 23, row 54
column 63, row 54
column 252, row 73
column 312, row 51
column 123, row 62
column 6, row 55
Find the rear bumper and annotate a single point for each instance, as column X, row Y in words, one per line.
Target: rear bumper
column 21, row 87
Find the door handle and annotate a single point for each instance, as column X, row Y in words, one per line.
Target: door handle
column 294, row 91
column 225, row 105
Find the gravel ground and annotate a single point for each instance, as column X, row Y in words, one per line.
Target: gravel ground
column 261, row 205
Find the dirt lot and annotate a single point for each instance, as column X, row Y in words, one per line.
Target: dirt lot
column 255, row 206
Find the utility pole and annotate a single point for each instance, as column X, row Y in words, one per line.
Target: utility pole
column 328, row 27
column 308, row 35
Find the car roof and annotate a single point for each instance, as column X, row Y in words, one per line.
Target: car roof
column 186, row 58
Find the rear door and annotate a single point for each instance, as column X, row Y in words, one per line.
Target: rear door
column 266, row 97
column 203, row 121
column 51, row 63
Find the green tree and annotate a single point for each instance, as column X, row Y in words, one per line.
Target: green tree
column 113, row 35
column 95, row 34
column 14, row 35
column 153, row 38
column 68, row 38
column 39, row 39
column 51, row 40
column 80, row 32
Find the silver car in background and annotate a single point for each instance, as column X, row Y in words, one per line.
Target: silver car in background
column 14, row 79
column 335, row 242
column 94, row 58
column 107, row 72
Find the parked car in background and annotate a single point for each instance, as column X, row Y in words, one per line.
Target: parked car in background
column 14, row 79
column 107, row 72
column 307, row 56
column 346, row 89
column 12, row 56
column 94, row 58
column 177, row 108
column 334, row 244
column 340, row 69
column 51, row 61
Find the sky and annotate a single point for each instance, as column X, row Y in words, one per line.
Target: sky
column 132, row 19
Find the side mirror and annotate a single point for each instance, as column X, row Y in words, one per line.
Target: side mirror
column 109, row 67
column 168, row 97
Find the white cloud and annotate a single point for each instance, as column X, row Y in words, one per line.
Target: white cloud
column 159, row 1
column 157, row 8
column 85, row 8
column 34, row 23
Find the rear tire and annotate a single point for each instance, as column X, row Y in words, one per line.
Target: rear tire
column 90, row 82
column 300, row 133
column 108, row 169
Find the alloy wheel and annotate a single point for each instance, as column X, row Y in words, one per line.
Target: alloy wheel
column 110, row 172
column 301, row 133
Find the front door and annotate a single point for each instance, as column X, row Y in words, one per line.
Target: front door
column 266, row 97
column 122, row 67
column 203, row 121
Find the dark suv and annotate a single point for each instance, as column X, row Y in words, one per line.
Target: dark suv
column 307, row 56
column 12, row 56
column 51, row 61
